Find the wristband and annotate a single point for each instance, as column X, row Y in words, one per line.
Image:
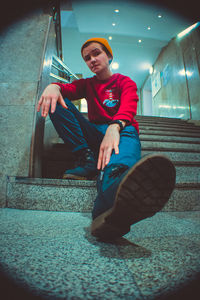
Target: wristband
column 117, row 122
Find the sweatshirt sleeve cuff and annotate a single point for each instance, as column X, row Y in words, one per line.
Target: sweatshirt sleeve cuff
column 122, row 118
column 60, row 85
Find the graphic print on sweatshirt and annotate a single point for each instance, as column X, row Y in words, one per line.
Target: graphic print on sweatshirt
column 110, row 101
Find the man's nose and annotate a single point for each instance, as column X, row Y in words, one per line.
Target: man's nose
column 93, row 58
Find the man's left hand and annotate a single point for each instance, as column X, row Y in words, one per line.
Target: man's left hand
column 110, row 142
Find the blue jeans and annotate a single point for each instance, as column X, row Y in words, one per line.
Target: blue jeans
column 78, row 133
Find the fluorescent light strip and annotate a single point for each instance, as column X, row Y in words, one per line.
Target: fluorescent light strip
column 187, row 30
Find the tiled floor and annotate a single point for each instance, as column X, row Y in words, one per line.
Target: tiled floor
column 53, row 255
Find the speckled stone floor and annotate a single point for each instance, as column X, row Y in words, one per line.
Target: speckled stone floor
column 51, row 255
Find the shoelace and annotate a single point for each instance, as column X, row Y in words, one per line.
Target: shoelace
column 85, row 158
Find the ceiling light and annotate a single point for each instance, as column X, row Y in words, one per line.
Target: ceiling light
column 47, row 62
column 149, row 28
column 183, row 73
column 151, row 70
column 146, row 66
column 113, row 24
column 164, row 106
column 115, row 66
column 116, row 10
column 187, row 30
column 139, row 41
column 189, row 73
column 110, row 38
column 159, row 16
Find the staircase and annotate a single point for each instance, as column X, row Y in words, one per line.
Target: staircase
column 47, row 245
column 175, row 138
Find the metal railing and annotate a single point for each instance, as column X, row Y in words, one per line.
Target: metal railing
column 64, row 74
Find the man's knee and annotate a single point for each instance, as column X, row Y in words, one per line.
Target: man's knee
column 130, row 131
column 60, row 111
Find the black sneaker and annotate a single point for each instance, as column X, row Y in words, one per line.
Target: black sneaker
column 143, row 191
column 86, row 168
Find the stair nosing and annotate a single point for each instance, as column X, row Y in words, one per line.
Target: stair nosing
column 186, row 163
column 178, row 130
column 166, row 124
column 169, row 141
column 144, row 132
column 79, row 183
column 181, row 150
column 50, row 181
column 187, row 185
column 152, row 147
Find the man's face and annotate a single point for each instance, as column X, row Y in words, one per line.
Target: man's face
column 96, row 58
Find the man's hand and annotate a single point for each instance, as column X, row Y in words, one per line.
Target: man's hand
column 50, row 96
column 110, row 142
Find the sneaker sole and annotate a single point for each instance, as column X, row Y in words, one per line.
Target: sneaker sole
column 144, row 191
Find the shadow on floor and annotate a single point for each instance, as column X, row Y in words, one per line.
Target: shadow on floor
column 133, row 251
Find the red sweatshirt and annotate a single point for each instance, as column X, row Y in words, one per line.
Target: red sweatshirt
column 112, row 99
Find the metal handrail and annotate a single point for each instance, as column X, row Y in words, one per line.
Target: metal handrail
column 62, row 68
column 59, row 78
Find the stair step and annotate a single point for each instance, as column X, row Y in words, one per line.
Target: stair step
column 165, row 121
column 152, row 133
column 161, row 119
column 174, row 154
column 164, row 133
column 172, row 129
column 50, row 194
column 60, row 152
column 169, row 125
column 171, row 139
column 186, row 172
column 78, row 196
column 175, row 138
column 145, row 136
column 58, row 159
column 185, row 146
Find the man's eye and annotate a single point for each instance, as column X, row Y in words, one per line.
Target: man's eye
column 96, row 53
column 87, row 58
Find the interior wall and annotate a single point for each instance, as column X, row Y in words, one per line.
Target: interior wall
column 21, row 48
column 147, row 103
column 72, row 41
column 176, row 78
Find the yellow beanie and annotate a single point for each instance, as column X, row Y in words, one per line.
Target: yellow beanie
column 101, row 41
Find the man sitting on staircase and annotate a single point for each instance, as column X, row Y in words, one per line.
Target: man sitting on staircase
column 129, row 188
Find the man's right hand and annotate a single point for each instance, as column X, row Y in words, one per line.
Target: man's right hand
column 50, row 96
